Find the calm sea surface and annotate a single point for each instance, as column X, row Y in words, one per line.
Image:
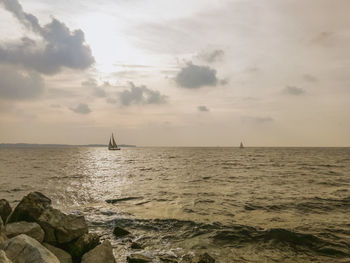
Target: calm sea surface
column 239, row 205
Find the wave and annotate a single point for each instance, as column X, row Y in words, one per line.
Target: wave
column 238, row 236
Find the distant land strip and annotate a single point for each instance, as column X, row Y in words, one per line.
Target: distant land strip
column 29, row 145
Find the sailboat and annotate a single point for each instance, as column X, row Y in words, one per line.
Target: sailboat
column 112, row 145
column 241, row 145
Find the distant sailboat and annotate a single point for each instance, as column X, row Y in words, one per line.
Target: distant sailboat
column 241, row 145
column 112, row 145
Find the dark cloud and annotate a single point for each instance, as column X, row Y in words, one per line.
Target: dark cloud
column 61, row 47
column 212, row 56
column 203, row 108
column 256, row 119
column 19, row 85
column 140, row 95
column 193, row 76
column 82, row 108
column 291, row 90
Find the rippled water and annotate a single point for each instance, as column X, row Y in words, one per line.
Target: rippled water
column 239, row 205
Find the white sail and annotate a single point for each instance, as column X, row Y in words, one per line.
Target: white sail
column 113, row 142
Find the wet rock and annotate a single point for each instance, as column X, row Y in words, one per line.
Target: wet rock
column 113, row 201
column 203, row 258
column 61, row 228
column 3, row 257
column 24, row 249
column 83, row 244
column 120, row 232
column 168, row 259
column 135, row 245
column 138, row 258
column 30, row 208
column 3, row 237
column 61, row 255
column 5, row 209
column 29, row 228
column 101, row 254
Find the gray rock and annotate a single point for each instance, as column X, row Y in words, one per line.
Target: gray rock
column 3, row 257
column 61, row 228
column 29, row 228
column 62, row 255
column 24, row 249
column 138, row 258
column 30, row 208
column 101, row 254
column 5, row 209
column 83, row 244
column 3, row 237
column 120, row 232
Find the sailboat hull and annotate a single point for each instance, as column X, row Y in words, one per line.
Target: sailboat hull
column 114, row 149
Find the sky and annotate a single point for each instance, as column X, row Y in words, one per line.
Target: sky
column 175, row 73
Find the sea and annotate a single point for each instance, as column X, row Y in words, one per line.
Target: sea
column 238, row 205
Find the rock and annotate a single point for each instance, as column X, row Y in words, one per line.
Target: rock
column 24, row 249
column 61, row 228
column 30, row 208
column 138, row 258
column 83, row 244
column 3, row 257
column 5, row 209
column 62, row 255
column 135, row 245
column 113, row 201
column 3, row 237
column 101, row 254
column 203, row 258
column 120, row 232
column 29, row 228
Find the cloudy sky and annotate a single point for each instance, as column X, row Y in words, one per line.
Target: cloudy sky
column 175, row 73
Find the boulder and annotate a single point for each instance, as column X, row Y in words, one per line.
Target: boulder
column 135, row 245
column 83, row 244
column 203, row 258
column 120, row 232
column 3, row 237
column 61, row 228
column 62, row 255
column 29, row 228
column 3, row 257
column 24, row 249
column 138, row 258
column 5, row 209
column 30, row 208
column 101, row 254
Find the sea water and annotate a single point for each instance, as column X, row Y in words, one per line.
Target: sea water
column 238, row 205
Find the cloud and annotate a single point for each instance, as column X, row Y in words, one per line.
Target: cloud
column 20, row 85
column 212, row 56
column 291, row 90
column 193, row 76
column 60, row 47
column 82, row 108
column 309, row 78
column 256, row 119
column 140, row 95
column 98, row 90
column 203, row 108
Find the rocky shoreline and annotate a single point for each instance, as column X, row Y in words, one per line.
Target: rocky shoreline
column 34, row 231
